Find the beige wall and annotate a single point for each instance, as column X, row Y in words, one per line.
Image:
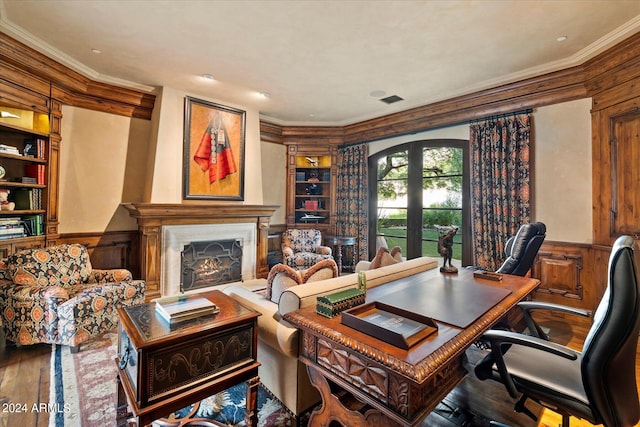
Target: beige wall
column 102, row 162
column 108, row 159
column 563, row 193
column 562, row 167
column 274, row 179
column 166, row 179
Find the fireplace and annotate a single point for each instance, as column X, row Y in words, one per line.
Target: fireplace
column 210, row 263
column 203, row 249
column 166, row 229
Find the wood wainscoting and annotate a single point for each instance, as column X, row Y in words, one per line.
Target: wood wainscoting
column 109, row 249
column 572, row 274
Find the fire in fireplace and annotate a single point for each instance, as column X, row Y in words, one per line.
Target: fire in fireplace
column 210, row 263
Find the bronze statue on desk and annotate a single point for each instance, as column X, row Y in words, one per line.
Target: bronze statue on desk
column 445, row 248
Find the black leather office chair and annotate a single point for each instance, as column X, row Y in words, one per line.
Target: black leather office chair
column 521, row 249
column 598, row 383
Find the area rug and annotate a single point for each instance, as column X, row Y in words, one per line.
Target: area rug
column 83, row 391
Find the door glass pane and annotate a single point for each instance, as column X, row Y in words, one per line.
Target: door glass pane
column 442, row 175
column 392, row 189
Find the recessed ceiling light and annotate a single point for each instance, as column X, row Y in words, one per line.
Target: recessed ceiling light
column 562, row 38
column 207, row 76
column 94, row 50
column 264, row 95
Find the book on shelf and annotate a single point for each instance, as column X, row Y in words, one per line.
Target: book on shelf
column 176, row 309
column 12, row 236
column 33, row 225
column 5, row 231
column 10, row 149
column 28, row 198
column 36, row 171
column 9, row 221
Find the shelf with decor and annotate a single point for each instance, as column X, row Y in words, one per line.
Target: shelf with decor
column 310, row 194
column 24, row 147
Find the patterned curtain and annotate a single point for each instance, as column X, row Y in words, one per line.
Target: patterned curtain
column 499, row 184
column 352, row 196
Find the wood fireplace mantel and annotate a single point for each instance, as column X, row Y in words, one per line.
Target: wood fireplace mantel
column 152, row 217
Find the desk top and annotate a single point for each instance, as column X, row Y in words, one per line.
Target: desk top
column 426, row 357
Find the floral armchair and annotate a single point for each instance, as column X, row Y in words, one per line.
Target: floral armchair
column 52, row 295
column 302, row 248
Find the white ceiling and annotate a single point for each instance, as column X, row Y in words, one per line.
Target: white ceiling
column 319, row 60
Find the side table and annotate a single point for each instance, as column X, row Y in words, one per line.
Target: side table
column 163, row 368
column 338, row 242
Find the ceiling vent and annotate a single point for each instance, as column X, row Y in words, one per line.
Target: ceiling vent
column 391, row 99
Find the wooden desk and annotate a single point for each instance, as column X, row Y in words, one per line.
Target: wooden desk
column 390, row 386
column 163, row 368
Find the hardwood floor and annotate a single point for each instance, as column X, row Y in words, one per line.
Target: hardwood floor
column 24, row 382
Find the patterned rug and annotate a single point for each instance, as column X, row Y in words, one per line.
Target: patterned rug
column 83, row 388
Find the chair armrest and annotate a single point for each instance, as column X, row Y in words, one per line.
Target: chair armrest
column 534, row 328
column 36, row 293
column 110, row 276
column 287, row 252
column 323, row 250
column 362, row 265
column 498, row 338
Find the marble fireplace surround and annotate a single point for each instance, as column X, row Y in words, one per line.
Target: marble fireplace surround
column 160, row 221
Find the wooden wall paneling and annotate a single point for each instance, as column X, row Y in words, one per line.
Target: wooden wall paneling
column 270, row 132
column 552, row 88
column 625, row 154
column 23, row 80
column 613, row 67
column 622, row 92
column 565, row 271
column 53, row 173
column 24, row 66
column 616, row 154
column 19, row 97
column 560, row 274
column 114, row 249
column 37, row 64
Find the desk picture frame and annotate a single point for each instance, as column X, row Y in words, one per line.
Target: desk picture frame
column 214, row 151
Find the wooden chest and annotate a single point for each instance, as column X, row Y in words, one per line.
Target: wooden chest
column 174, row 364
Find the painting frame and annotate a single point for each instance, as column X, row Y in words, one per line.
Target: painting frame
column 213, row 151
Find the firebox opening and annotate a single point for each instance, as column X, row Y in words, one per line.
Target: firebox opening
column 210, row 263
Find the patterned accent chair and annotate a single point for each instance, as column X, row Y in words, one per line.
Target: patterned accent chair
column 302, row 248
column 52, row 295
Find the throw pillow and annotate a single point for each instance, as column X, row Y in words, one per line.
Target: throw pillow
column 384, row 258
column 396, row 253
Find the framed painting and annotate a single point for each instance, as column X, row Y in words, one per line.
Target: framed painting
column 213, row 159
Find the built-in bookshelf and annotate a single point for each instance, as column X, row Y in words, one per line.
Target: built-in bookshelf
column 24, row 148
column 311, row 187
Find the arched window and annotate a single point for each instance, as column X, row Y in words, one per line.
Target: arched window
column 415, row 189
